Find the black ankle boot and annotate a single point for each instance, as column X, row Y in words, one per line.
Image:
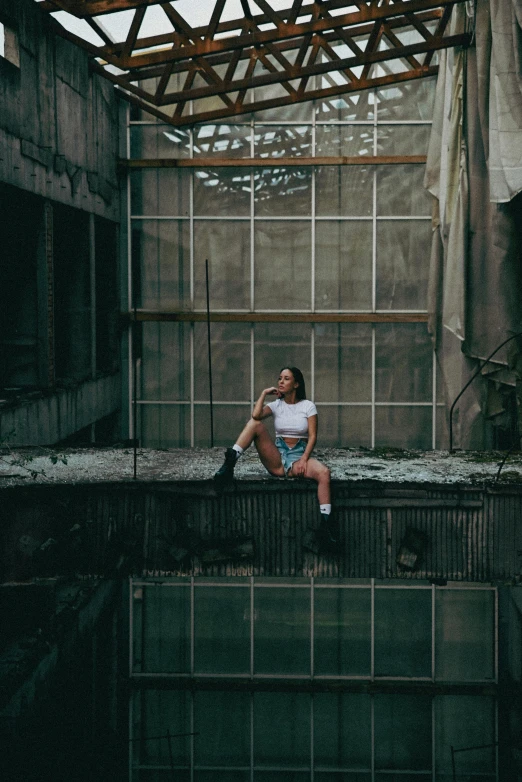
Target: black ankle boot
column 225, row 474
column 329, row 529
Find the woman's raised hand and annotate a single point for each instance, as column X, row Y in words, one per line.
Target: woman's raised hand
column 272, row 391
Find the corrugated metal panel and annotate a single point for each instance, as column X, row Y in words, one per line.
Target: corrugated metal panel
column 472, row 534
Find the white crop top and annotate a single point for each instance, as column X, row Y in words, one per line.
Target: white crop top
column 292, row 420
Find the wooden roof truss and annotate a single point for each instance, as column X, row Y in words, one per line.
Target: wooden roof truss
column 318, row 49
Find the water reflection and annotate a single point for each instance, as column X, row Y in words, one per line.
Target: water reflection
column 263, row 680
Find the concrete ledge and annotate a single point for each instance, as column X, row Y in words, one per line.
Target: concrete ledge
column 48, row 419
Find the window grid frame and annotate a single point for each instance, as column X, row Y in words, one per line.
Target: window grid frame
column 251, row 583
column 374, row 122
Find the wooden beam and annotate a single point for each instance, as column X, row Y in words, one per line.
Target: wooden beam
column 316, row 69
column 279, row 162
column 276, row 317
column 247, row 108
column 284, row 31
column 83, row 8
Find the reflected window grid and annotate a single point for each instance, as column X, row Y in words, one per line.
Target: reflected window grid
column 253, row 219
column 252, row 772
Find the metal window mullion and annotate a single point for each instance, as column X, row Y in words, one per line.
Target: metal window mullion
column 192, row 696
column 372, row 738
column 192, row 408
column 252, row 609
column 434, row 402
column 251, row 737
column 372, row 630
column 433, row 632
column 374, row 370
column 312, row 629
column 312, row 727
column 312, row 361
column 192, row 626
column 496, row 637
column 433, row 738
column 252, row 389
column 131, row 628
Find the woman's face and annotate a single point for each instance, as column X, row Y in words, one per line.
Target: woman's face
column 286, row 382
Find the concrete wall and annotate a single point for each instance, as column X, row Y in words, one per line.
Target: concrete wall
column 58, row 121
column 51, row 418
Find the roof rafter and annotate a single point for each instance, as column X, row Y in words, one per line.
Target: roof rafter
column 343, row 44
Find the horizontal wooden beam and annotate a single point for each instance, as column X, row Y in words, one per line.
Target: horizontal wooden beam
column 84, row 8
column 318, row 69
column 143, row 316
column 262, row 105
column 165, row 39
column 201, row 48
column 272, row 162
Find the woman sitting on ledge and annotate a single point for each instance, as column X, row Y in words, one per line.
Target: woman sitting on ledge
column 295, row 420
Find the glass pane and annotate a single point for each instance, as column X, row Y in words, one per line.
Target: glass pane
column 425, row 777
column 283, row 191
column 221, row 776
column 230, row 141
column 165, row 365
column 354, row 106
column 345, row 140
column 343, row 265
column 442, row 428
column 164, row 426
column 342, row 776
column 278, row 345
column 161, row 254
column 344, row 191
column 398, row 346
column 403, row 632
column 153, row 713
column 342, row 643
column 222, row 191
column 230, row 362
column 294, row 112
column 222, row 629
column 283, row 265
column 412, row 100
column 465, row 634
column 403, row 252
column 222, row 727
column 403, row 139
column 282, row 630
column 226, row 245
column 283, row 141
column 161, row 629
column 281, row 729
column 400, row 191
column 343, row 350
column 229, row 420
column 463, row 721
column 158, row 141
column 403, row 732
column 160, row 192
column 403, row 427
column 342, row 730
column 344, row 427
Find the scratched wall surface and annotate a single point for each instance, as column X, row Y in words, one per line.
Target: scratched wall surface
column 58, row 121
column 470, row 534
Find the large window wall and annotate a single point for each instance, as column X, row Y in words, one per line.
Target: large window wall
column 322, row 264
column 312, row 680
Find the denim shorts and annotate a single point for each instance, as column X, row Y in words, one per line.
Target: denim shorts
column 290, row 455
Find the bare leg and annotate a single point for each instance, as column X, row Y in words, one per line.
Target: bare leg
column 320, row 473
column 255, row 432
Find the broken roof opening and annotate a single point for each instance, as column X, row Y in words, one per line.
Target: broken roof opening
column 185, row 63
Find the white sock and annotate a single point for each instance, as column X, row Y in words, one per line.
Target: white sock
column 238, row 450
column 326, row 509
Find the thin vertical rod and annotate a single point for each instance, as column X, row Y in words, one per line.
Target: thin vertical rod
column 171, row 758
column 134, row 367
column 209, row 359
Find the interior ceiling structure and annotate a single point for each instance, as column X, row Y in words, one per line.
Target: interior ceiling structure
column 266, row 56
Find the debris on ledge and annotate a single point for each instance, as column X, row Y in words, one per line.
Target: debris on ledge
column 103, row 465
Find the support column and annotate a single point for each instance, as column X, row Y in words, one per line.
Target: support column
column 46, row 334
